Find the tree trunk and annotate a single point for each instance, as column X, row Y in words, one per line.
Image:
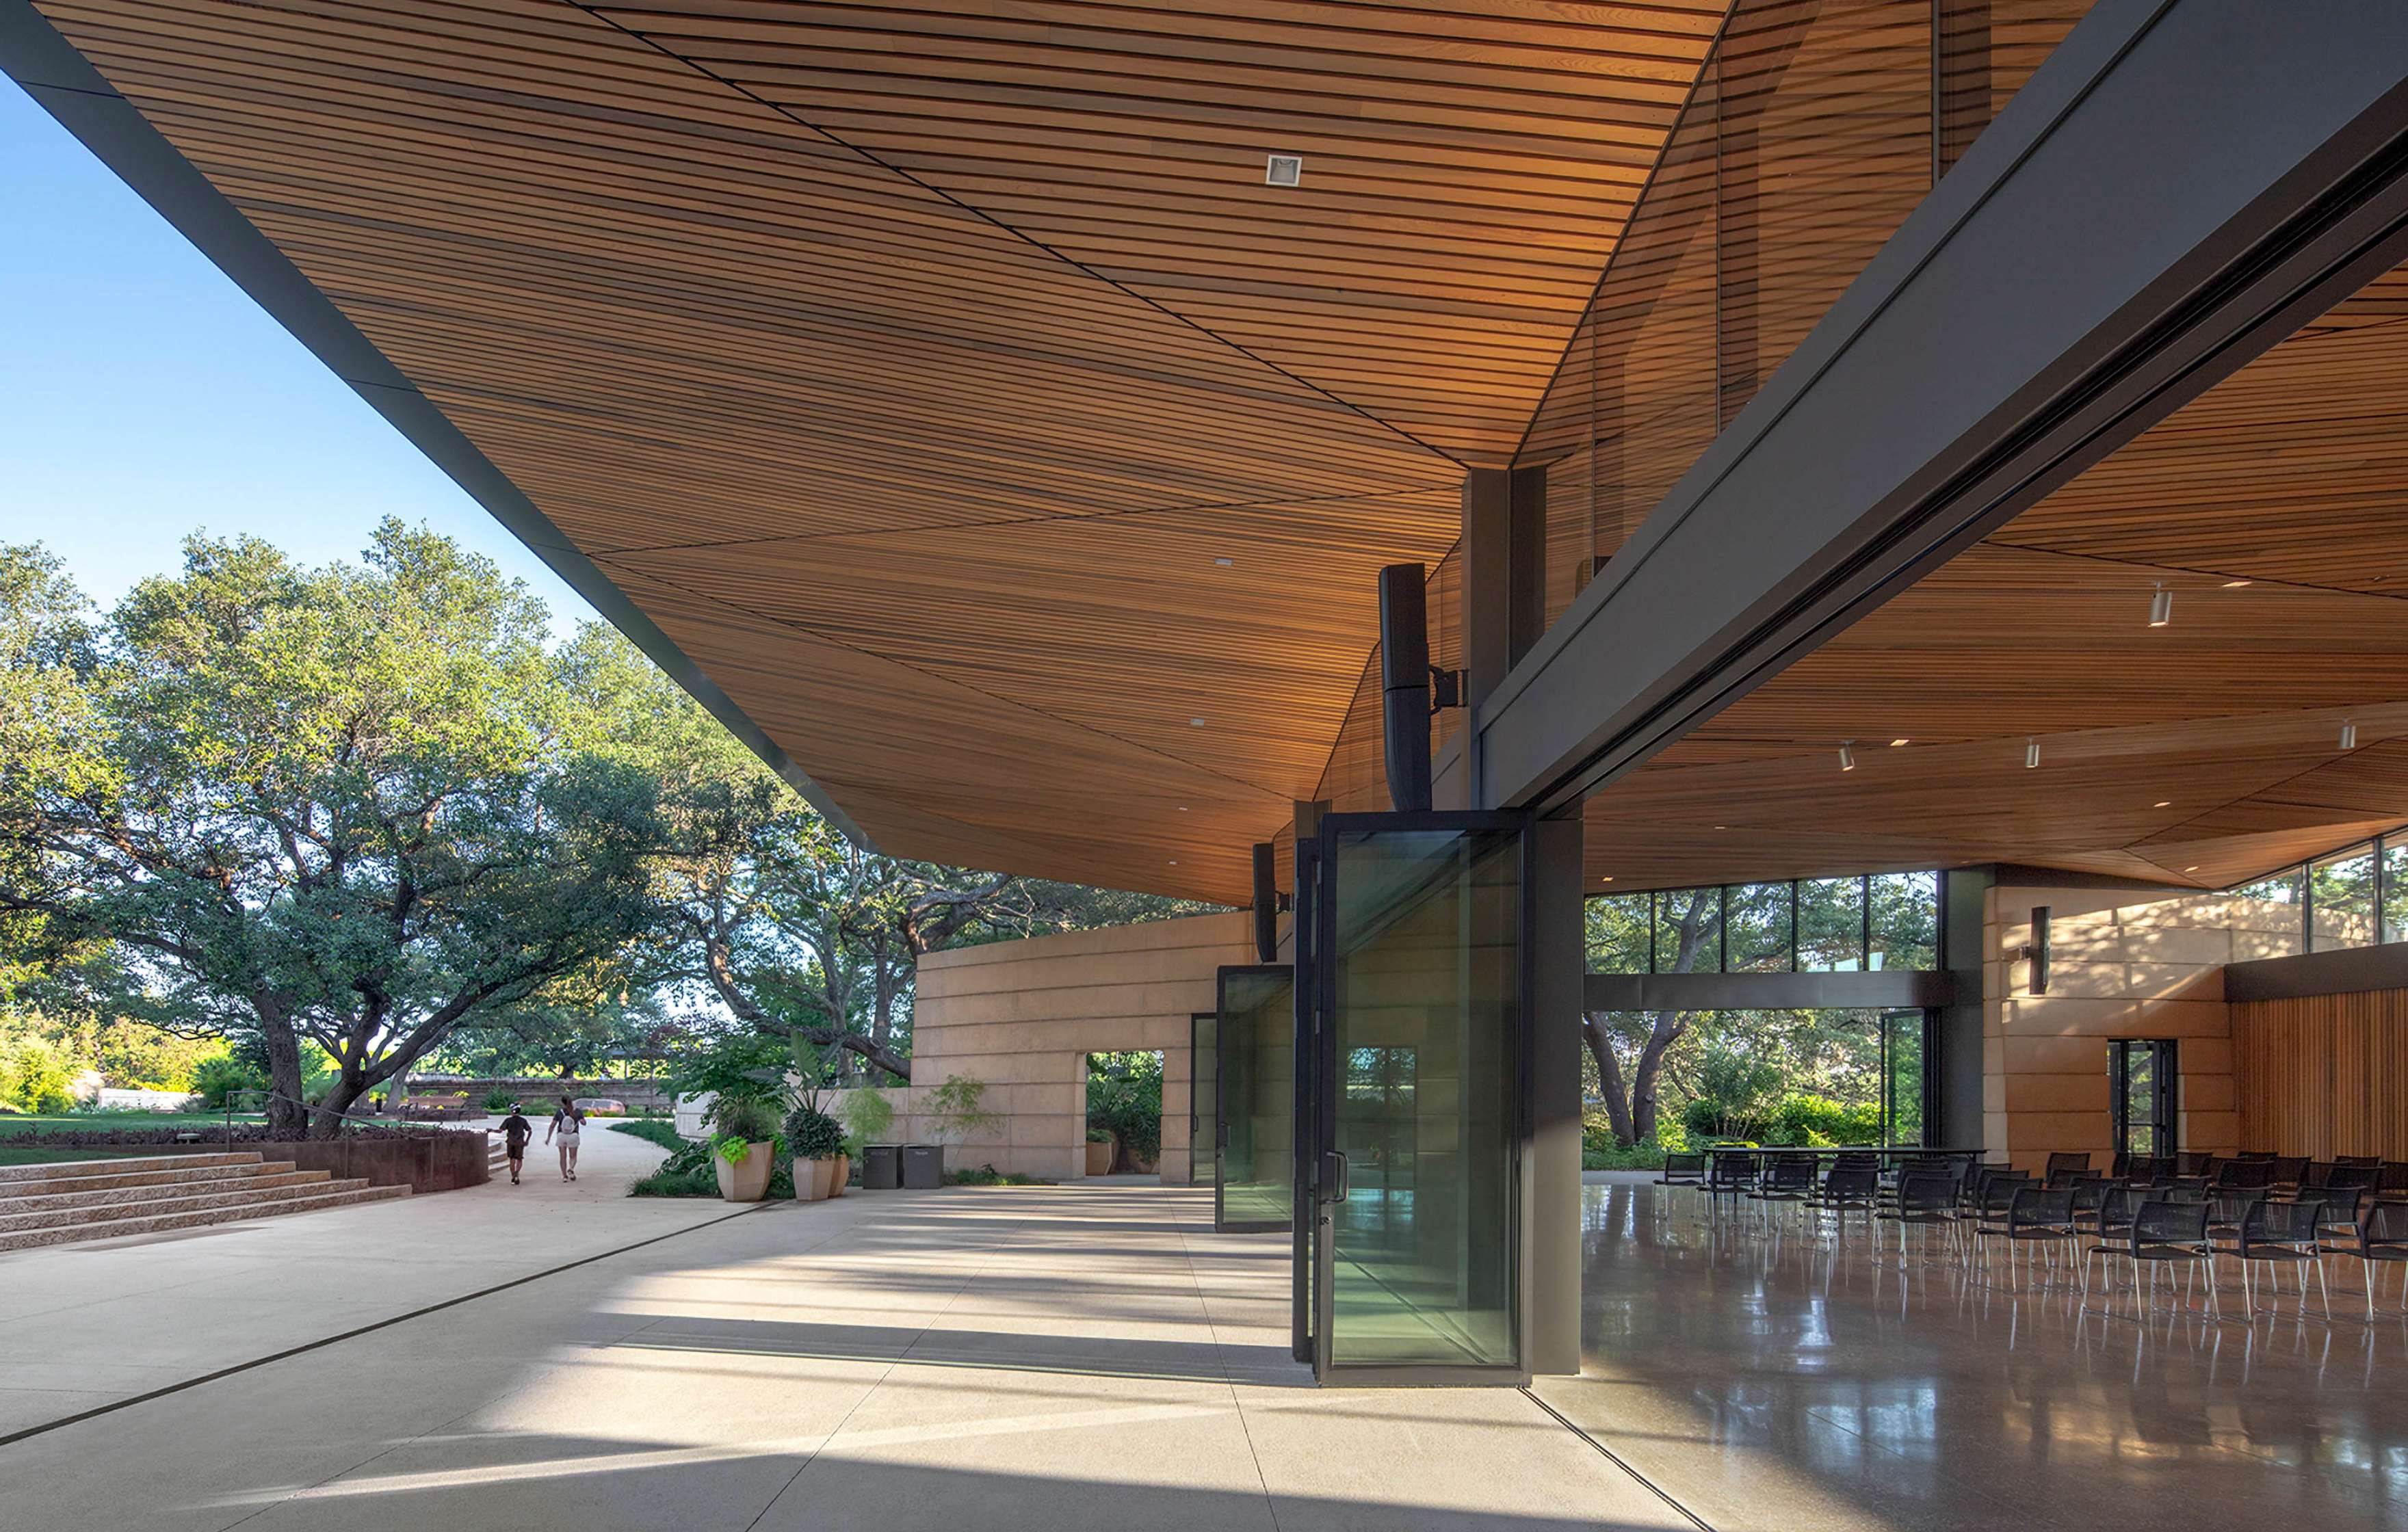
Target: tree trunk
column 1662, row 1033
column 1609, row 1079
column 288, row 1115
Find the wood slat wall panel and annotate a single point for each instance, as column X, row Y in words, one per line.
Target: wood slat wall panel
column 2324, row 1075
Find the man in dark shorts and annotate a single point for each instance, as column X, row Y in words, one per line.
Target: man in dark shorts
column 516, row 1131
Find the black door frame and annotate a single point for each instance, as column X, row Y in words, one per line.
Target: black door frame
column 2165, row 1091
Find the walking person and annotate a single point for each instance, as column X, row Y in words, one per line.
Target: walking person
column 516, row 1131
column 565, row 1124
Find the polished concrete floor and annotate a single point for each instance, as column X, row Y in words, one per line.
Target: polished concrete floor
column 1779, row 1382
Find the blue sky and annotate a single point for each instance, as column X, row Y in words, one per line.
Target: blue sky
column 142, row 396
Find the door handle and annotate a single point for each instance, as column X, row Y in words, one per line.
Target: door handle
column 1333, row 1176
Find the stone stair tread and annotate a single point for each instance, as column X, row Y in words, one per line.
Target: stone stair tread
column 67, row 1170
column 236, row 1195
column 179, row 1176
column 283, row 1173
column 118, row 1227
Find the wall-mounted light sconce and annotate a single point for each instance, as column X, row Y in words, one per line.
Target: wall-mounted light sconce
column 2036, row 951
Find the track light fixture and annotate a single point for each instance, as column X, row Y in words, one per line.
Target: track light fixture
column 2032, row 753
column 2348, row 734
column 2162, row 607
column 1847, row 756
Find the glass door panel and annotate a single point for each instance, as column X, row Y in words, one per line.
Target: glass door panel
column 1203, row 1065
column 2141, row 1078
column 1419, row 1083
column 1902, row 1077
column 1254, row 1099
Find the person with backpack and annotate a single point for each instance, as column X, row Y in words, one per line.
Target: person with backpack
column 566, row 1123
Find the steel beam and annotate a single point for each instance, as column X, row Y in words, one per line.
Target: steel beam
column 2183, row 184
column 1880, row 990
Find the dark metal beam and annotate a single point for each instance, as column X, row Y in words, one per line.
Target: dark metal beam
column 2182, row 184
column 2348, row 970
column 1859, row 991
column 66, row 86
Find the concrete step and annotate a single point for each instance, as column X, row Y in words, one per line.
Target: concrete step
column 233, row 1178
column 77, row 1170
column 302, row 1183
column 160, row 1222
column 176, row 1176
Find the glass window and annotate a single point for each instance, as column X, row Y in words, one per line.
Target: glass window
column 2395, row 891
column 2282, row 888
column 1689, row 930
column 1617, row 934
column 1255, row 1105
column 1760, row 928
column 1906, row 919
column 2343, row 888
column 1830, row 925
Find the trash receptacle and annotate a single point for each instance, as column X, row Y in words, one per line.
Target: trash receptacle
column 882, row 1166
column 923, row 1166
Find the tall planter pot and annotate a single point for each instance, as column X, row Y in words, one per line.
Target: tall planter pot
column 840, row 1174
column 812, row 1179
column 1099, row 1157
column 746, row 1180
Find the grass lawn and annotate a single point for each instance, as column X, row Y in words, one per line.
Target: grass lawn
column 103, row 1121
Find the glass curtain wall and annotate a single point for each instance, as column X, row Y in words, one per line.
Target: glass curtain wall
column 1815, row 925
column 1203, row 1078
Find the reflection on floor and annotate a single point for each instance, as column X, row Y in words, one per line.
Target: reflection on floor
column 1773, row 1382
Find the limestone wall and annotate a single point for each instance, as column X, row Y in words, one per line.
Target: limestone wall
column 2122, row 965
column 1020, row 1017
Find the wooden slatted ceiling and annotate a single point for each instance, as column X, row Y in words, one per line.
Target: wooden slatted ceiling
column 1465, row 169
column 935, row 501
column 2273, row 507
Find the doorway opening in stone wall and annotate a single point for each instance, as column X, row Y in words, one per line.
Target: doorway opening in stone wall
column 1124, row 1111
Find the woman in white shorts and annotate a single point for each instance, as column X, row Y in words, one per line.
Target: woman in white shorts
column 566, row 1123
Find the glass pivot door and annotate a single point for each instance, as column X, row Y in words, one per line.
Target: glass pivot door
column 1416, row 1097
column 2143, row 1077
column 1203, row 1055
column 1253, row 1100
column 1905, row 1076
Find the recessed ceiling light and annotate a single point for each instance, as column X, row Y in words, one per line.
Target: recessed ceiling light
column 2161, row 607
column 1195, row 722
column 2163, row 803
column 1606, row 879
column 2236, row 584
column 2192, row 868
column 1226, row 564
column 1174, row 861
column 1717, row 826
column 1183, row 807
column 1284, row 170
column 1894, row 743
column 1847, row 759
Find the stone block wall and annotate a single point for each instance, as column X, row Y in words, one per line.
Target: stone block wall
column 2123, row 964
column 1021, row 1018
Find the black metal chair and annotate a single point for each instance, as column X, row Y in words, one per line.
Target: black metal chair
column 2380, row 1241
column 1927, row 1200
column 2276, row 1235
column 1788, row 1180
column 2289, row 1171
column 2038, row 1217
column 2191, row 1162
column 1680, row 1169
column 1988, row 1216
column 2244, row 1174
column 2338, row 1209
column 2161, row 1235
column 2394, row 1185
column 1730, row 1176
column 2065, row 1165
column 1848, row 1189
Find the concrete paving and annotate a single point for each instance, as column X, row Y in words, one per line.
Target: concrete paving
column 83, row 1325
column 974, row 1358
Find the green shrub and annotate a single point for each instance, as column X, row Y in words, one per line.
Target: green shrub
column 652, row 1133
column 751, row 1118
column 1124, row 1100
column 868, row 1117
column 499, row 1100
column 812, row 1134
column 700, row 1180
column 987, row 1175
column 1819, row 1121
column 214, row 1080
column 34, row 1077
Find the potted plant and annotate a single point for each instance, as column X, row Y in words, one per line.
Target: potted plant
column 956, row 1110
column 817, row 1142
column 743, row 1145
column 1100, row 1150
